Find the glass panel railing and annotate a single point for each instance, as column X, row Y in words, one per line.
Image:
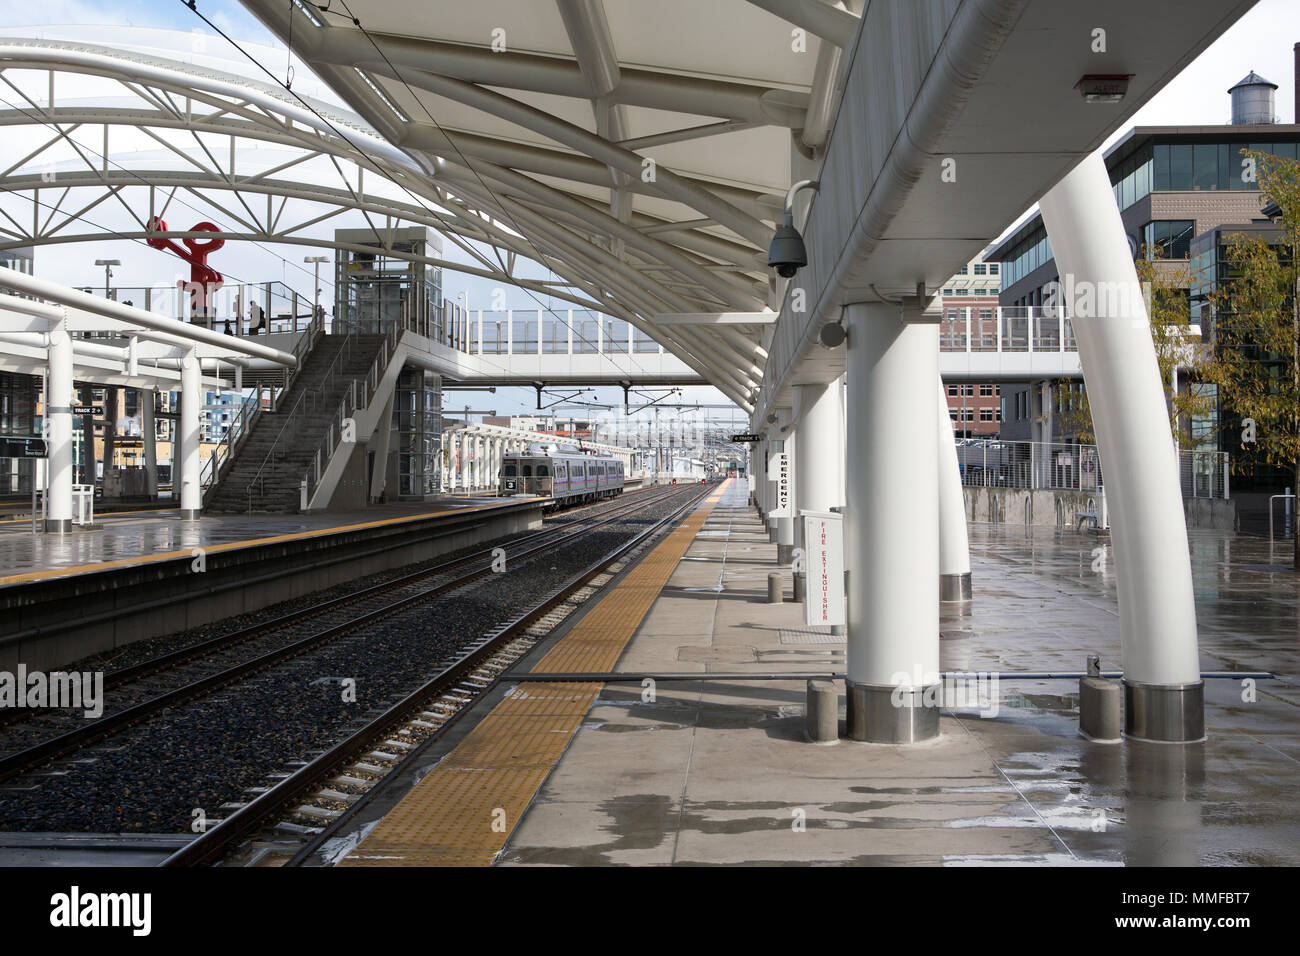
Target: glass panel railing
column 555, row 333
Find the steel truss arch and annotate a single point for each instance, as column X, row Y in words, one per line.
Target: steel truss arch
column 200, row 120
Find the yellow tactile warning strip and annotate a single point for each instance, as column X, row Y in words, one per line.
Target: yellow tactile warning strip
column 596, row 642
column 463, row 812
column 234, row 545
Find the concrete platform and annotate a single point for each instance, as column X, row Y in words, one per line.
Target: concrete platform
column 718, row 772
column 126, row 536
column 63, row 597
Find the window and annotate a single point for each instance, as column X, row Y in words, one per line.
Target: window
column 528, row 471
column 543, row 471
column 993, row 268
column 968, row 389
column 986, row 390
column 1205, row 166
column 952, row 390
column 953, row 413
column 962, row 292
column 961, row 271
column 968, row 414
column 986, row 414
column 947, row 291
column 510, row 471
column 1168, row 238
column 981, row 269
column 1181, row 166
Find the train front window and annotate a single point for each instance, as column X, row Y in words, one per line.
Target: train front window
column 528, row 471
column 510, row 471
column 543, row 471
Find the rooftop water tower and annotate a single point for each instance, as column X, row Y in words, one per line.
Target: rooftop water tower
column 1252, row 101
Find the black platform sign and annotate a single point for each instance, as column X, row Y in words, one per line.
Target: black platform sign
column 86, row 410
column 750, row 438
column 23, row 448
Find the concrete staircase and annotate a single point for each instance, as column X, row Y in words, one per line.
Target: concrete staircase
column 266, row 475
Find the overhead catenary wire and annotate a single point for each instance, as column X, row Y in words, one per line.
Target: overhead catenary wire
column 542, row 258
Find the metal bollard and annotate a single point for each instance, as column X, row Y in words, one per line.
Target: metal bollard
column 1099, row 705
column 822, row 716
column 798, row 588
column 775, row 593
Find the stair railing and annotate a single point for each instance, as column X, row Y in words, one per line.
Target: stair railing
column 307, row 401
column 213, row 469
column 358, row 396
column 301, row 349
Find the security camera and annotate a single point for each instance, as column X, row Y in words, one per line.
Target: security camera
column 787, row 253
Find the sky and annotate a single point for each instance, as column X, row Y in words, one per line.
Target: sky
column 1261, row 41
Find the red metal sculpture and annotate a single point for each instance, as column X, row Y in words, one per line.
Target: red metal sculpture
column 204, row 280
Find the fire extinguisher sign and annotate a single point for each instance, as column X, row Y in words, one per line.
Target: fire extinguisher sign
column 823, row 537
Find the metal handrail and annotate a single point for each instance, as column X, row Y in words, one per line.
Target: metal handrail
column 235, row 435
column 300, row 405
column 347, row 407
column 1271, row 499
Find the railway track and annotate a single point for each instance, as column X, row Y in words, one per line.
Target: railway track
column 304, row 808
column 211, row 649
column 205, row 667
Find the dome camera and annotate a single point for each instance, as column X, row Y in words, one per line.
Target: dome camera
column 787, row 254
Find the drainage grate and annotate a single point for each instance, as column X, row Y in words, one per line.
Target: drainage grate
column 809, row 635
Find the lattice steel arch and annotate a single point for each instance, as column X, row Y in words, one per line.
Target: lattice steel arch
column 175, row 98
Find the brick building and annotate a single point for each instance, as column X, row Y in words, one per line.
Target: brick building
column 969, row 302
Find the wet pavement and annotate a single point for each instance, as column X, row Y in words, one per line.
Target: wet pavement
column 719, row 772
column 140, row 534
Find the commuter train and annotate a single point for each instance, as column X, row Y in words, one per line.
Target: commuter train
column 560, row 472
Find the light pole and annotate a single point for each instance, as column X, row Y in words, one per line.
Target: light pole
column 108, row 272
column 467, row 343
column 315, row 263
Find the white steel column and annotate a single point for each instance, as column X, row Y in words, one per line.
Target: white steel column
column 191, row 415
column 464, row 462
column 954, row 547
column 891, row 533
column 1163, row 690
column 820, row 447
column 150, row 429
column 770, row 447
column 59, row 410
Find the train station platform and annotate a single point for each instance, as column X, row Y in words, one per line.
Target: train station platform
column 567, row 765
column 143, row 574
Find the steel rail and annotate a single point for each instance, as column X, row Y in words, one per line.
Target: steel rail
column 212, row 845
column 16, row 763
column 162, row 662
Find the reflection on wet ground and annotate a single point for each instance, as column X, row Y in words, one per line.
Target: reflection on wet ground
column 718, row 772
column 125, row 536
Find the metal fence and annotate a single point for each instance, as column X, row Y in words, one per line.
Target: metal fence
column 1073, row 466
